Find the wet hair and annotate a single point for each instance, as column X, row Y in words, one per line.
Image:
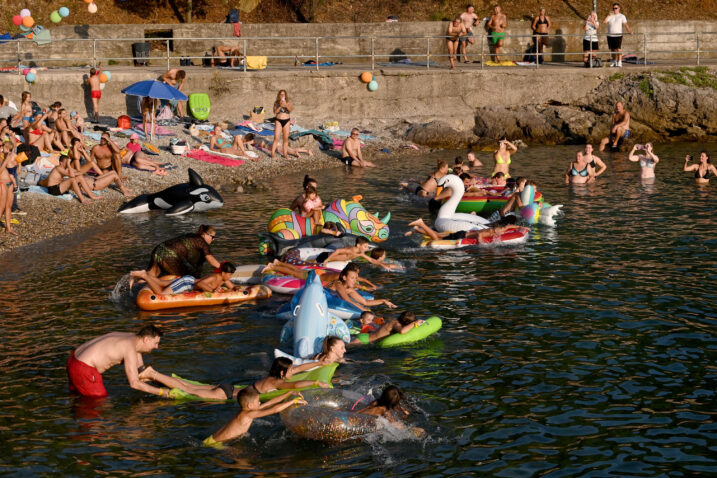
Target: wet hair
column 204, row 229
column 519, row 179
column 706, row 154
column 390, row 397
column 326, row 346
column 181, row 74
column 406, row 318
column 361, row 240
column 149, row 331
column 227, row 267
column 505, row 221
column 279, row 367
column 331, row 226
column 308, row 180
column 465, row 176
column 376, row 253
column 246, row 396
column 309, row 190
column 350, row 267
column 365, row 313
column 499, row 174
column 458, row 160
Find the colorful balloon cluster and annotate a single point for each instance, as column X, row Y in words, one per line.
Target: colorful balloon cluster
column 368, row 78
column 57, row 15
column 25, row 19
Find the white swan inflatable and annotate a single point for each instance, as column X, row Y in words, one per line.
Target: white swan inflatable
column 448, row 219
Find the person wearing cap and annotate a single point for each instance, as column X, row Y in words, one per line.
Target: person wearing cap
column 132, row 155
column 77, row 121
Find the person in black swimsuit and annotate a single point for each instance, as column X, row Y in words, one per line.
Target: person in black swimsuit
column 282, row 112
column 540, row 27
column 702, row 170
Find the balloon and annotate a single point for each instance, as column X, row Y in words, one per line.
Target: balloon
column 103, row 78
column 24, row 13
column 89, row 1
column 28, row 22
column 109, row 75
column 55, row 17
column 17, row 20
column 373, row 85
column 366, row 76
column 30, row 77
column 92, row 8
column 63, row 11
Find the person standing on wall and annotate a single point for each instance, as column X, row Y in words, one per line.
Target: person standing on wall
column 615, row 22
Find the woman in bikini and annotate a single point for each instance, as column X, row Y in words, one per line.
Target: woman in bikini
column 7, row 184
column 430, row 185
column 580, row 171
column 76, row 152
column 502, row 157
column 132, row 155
column 37, row 134
column 345, row 287
column 282, row 120
column 456, row 29
column 647, row 160
column 221, row 144
column 24, row 116
column 541, row 25
column 703, row 170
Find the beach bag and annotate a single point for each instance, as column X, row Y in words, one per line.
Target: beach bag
column 257, row 115
column 597, row 62
column 165, row 113
column 256, row 63
column 124, row 122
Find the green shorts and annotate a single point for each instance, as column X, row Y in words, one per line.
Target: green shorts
column 495, row 37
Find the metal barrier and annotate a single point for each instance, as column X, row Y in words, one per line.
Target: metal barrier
column 647, row 44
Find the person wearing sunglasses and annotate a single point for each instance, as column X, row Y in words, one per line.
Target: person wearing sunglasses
column 184, row 255
column 615, row 23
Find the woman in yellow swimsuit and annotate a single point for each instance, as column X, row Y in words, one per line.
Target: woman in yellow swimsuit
column 502, row 157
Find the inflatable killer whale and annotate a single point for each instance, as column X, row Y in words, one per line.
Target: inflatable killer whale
column 194, row 196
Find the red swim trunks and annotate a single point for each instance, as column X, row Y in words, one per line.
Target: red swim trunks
column 84, row 379
column 96, row 94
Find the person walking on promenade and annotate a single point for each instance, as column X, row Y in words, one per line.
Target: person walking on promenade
column 615, row 23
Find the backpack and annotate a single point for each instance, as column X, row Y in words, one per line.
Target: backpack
column 233, row 16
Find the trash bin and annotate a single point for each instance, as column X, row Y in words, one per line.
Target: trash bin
column 140, row 52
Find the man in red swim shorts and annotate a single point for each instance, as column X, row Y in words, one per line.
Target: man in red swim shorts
column 88, row 361
column 95, row 93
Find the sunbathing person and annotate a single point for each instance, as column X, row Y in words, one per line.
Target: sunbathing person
column 494, row 229
column 226, row 51
column 223, row 145
column 76, row 153
column 218, row 281
column 135, row 157
column 57, row 185
column 107, row 155
column 38, row 134
column 266, row 145
column 65, row 128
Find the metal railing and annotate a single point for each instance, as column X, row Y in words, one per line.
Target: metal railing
column 318, row 49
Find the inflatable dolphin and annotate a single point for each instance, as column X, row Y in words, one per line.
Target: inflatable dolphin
column 178, row 199
column 311, row 318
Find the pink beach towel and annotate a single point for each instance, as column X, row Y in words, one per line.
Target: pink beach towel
column 158, row 130
column 213, row 158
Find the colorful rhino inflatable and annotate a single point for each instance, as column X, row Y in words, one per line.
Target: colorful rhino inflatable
column 350, row 214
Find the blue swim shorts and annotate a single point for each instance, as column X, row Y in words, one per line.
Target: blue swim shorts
column 182, row 284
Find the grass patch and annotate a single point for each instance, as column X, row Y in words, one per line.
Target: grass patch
column 617, row 76
column 645, row 86
column 698, row 77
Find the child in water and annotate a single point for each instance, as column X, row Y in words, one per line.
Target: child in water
column 388, row 403
column 251, row 408
column 405, row 322
column 219, row 281
column 351, row 253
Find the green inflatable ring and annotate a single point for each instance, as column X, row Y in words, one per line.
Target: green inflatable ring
column 322, row 374
column 428, row 327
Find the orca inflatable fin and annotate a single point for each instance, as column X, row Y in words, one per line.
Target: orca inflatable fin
column 194, row 178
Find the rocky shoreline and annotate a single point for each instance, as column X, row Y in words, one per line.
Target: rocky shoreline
column 48, row 217
column 675, row 105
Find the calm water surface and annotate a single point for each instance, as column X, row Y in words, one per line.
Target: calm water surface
column 589, row 351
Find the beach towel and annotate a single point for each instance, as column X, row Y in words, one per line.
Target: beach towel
column 43, row 190
column 207, row 149
column 200, row 155
column 93, row 136
column 342, row 132
column 158, row 130
column 502, row 63
column 313, row 63
column 423, row 64
column 4, row 38
column 242, row 130
column 255, row 62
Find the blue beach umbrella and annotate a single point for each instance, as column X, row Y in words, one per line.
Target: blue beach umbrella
column 156, row 90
